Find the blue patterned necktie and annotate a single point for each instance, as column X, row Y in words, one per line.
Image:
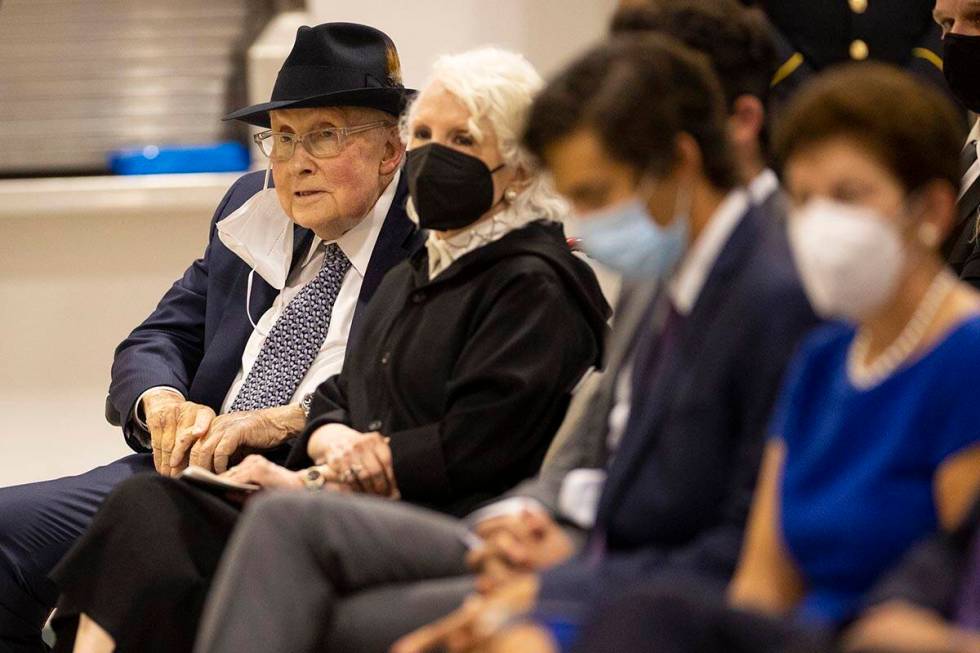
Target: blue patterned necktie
column 295, row 339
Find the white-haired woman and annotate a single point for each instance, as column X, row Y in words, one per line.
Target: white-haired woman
column 450, row 395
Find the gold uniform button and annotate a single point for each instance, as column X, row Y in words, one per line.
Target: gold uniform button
column 859, row 50
column 858, row 6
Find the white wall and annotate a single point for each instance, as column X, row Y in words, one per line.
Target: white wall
column 548, row 32
column 82, row 261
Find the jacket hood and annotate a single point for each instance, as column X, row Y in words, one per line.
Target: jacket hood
column 547, row 241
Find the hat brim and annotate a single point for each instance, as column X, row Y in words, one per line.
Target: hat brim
column 390, row 100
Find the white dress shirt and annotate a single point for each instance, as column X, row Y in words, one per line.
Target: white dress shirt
column 763, row 185
column 358, row 245
column 973, row 173
column 578, row 499
column 685, row 286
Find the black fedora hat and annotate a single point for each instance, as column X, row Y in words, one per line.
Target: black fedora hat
column 335, row 64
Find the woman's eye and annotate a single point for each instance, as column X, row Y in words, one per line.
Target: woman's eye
column 463, row 140
column 422, row 134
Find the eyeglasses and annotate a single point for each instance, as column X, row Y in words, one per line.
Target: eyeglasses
column 320, row 143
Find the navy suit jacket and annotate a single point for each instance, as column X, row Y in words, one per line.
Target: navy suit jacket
column 194, row 339
column 679, row 488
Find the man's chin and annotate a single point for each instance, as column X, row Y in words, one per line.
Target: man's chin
column 310, row 218
column 326, row 226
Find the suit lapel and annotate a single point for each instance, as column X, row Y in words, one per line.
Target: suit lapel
column 632, row 311
column 634, row 440
column 961, row 244
column 224, row 357
column 716, row 287
column 397, row 240
column 676, row 361
column 968, row 203
column 633, row 315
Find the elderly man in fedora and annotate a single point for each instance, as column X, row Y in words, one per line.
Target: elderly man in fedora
column 225, row 362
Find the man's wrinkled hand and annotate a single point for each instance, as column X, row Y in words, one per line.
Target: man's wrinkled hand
column 476, row 622
column 361, row 460
column 174, row 426
column 265, row 473
column 526, row 541
column 253, row 430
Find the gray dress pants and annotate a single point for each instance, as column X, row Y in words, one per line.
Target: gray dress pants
column 331, row 572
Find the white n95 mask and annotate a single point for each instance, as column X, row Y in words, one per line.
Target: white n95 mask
column 849, row 257
column 261, row 234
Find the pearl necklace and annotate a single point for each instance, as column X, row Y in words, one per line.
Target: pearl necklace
column 864, row 376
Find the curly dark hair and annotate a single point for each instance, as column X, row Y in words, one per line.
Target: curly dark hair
column 909, row 126
column 638, row 92
column 737, row 39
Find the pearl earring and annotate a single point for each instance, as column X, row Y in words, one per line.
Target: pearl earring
column 510, row 195
column 929, row 234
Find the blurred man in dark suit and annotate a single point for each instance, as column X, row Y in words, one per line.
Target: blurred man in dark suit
column 743, row 54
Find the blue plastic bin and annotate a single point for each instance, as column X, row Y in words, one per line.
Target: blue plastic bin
column 229, row 156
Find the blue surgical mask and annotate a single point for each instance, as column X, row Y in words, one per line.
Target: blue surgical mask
column 625, row 238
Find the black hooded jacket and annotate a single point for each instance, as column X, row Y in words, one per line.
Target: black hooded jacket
column 469, row 374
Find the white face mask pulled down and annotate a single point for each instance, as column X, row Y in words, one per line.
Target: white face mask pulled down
column 849, row 258
column 260, row 233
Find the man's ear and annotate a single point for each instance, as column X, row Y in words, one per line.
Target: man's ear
column 394, row 152
column 688, row 160
column 747, row 120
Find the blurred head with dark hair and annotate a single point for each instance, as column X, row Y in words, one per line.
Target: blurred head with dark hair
column 738, row 42
column 643, row 117
column 871, row 140
column 906, row 127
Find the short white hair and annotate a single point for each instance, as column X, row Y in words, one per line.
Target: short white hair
column 499, row 86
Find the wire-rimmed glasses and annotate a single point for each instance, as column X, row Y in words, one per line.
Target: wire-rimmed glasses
column 320, row 143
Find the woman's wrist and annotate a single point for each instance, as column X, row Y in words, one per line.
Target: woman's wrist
column 314, row 446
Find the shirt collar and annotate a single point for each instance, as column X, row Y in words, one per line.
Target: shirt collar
column 687, row 283
column 443, row 252
column 970, row 176
column 763, row 185
column 974, row 137
column 358, row 243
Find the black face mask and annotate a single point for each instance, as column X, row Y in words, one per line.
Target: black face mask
column 961, row 67
column 450, row 190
